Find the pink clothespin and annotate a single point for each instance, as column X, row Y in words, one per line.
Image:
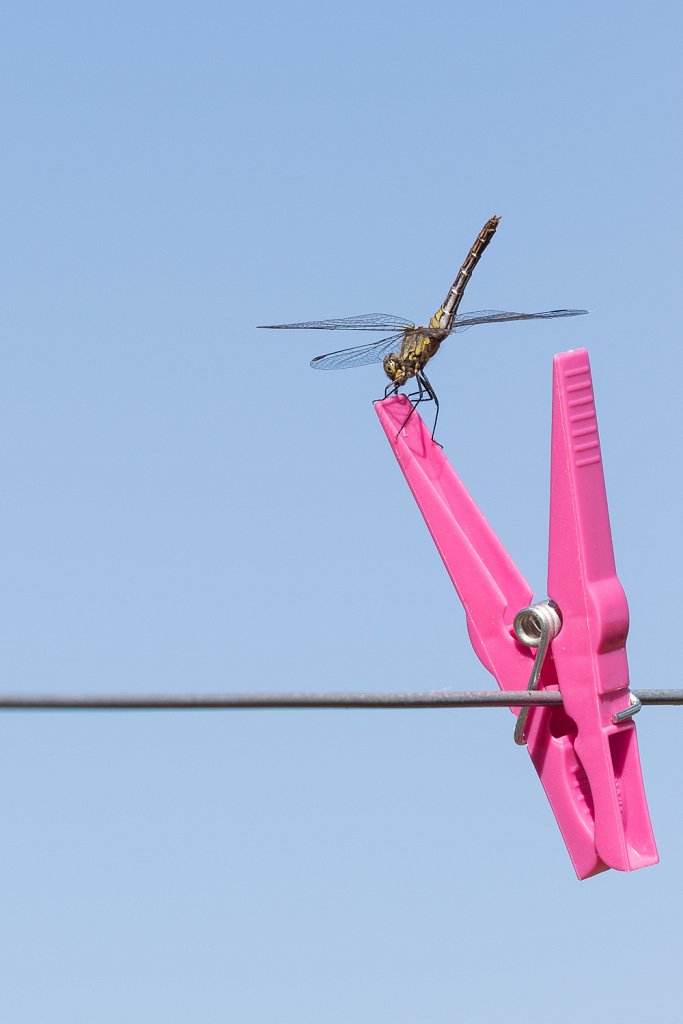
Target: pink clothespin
column 585, row 752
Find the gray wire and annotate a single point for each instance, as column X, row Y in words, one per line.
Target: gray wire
column 253, row 701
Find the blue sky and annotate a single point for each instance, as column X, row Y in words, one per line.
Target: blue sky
column 188, row 506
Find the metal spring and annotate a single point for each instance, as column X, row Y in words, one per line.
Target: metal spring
column 535, row 626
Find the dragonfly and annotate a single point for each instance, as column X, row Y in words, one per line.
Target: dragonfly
column 407, row 349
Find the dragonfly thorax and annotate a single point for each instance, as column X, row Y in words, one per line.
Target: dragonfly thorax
column 417, row 348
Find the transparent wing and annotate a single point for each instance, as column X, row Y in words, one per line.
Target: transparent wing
column 499, row 316
column 359, row 355
column 366, row 322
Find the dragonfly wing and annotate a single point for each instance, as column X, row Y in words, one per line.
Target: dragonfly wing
column 366, row 322
column 500, row 316
column 359, row 355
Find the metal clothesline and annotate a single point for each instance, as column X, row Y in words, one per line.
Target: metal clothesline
column 303, row 700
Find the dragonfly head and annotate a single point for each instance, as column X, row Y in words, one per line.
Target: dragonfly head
column 395, row 369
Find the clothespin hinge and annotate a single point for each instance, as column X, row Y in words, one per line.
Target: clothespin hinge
column 536, row 626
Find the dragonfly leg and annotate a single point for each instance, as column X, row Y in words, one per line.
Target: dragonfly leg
column 425, row 393
column 418, row 396
column 432, row 395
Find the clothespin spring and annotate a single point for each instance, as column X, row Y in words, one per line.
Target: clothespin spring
column 535, row 626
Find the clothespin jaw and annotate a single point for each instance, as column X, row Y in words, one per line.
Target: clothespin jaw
column 588, row 763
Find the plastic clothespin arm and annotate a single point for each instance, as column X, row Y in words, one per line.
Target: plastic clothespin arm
column 488, row 582
column 590, row 651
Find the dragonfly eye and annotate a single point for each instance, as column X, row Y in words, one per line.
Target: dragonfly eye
column 392, row 366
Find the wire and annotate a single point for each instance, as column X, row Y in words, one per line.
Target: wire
column 254, row 701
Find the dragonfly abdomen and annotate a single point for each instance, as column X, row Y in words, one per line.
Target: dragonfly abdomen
column 445, row 315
